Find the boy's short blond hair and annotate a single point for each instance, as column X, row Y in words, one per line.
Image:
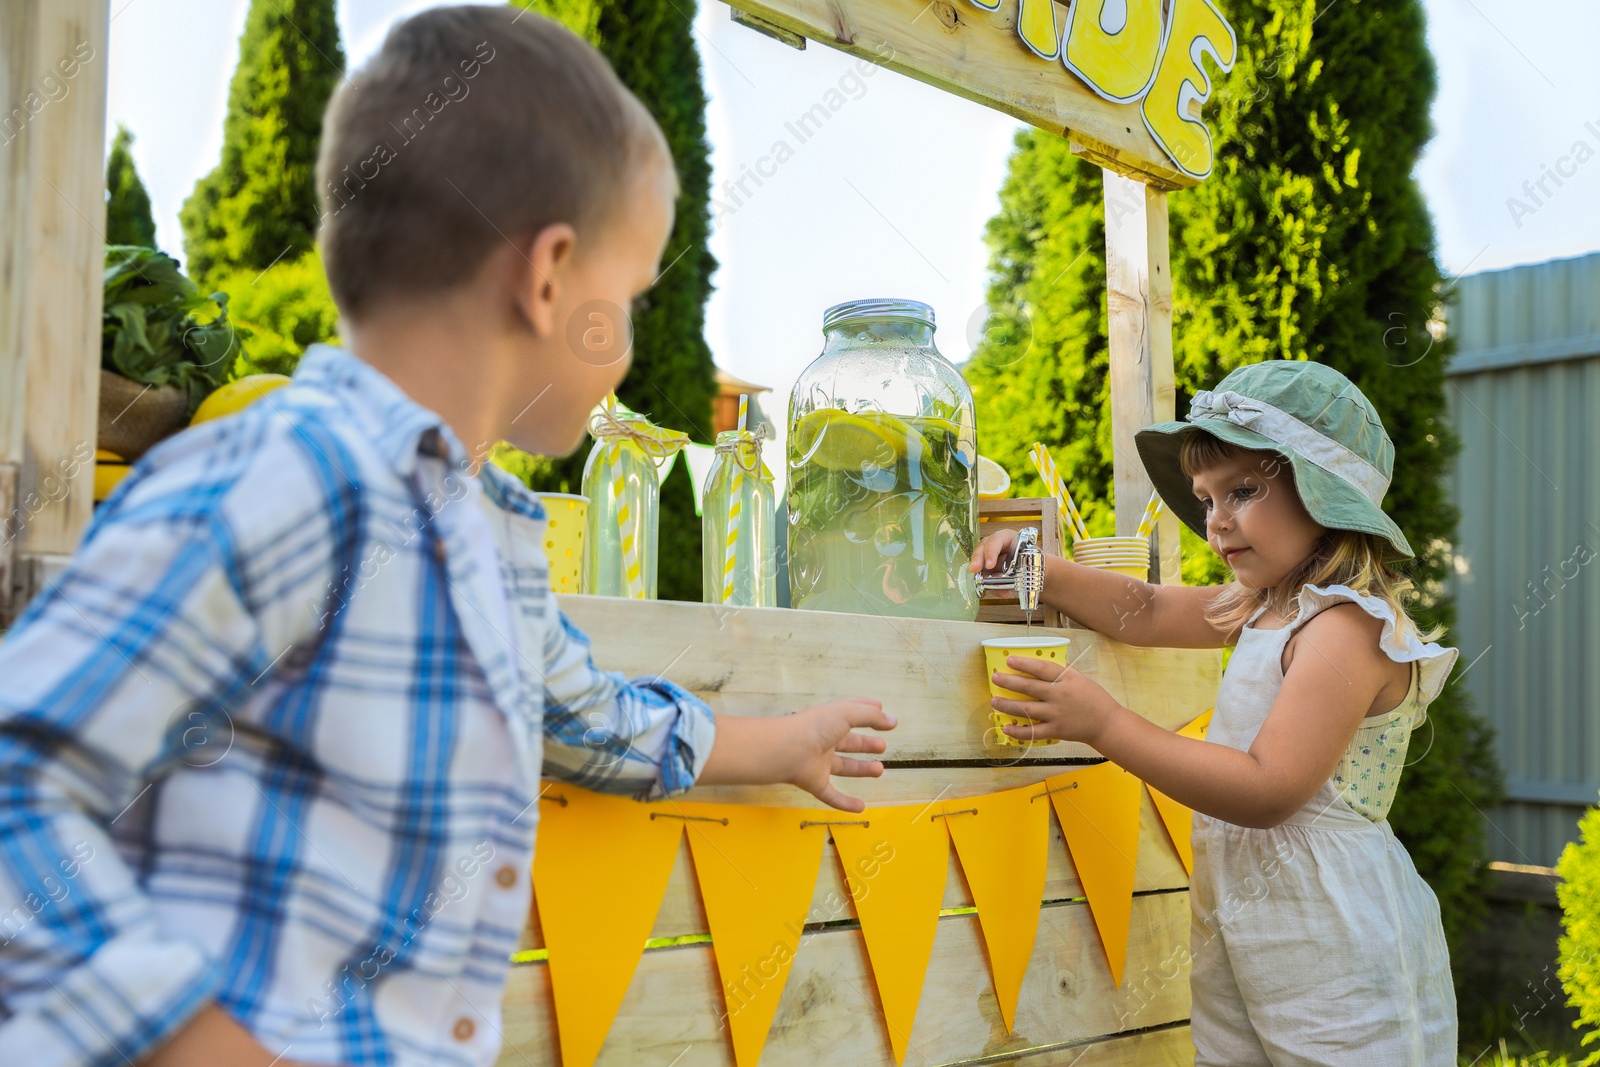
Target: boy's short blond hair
column 472, row 126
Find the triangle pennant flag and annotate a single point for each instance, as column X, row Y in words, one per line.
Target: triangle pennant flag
column 1002, row 840
column 757, row 870
column 896, row 866
column 1178, row 819
column 1099, row 812
column 607, row 856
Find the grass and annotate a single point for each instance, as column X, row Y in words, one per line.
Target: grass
column 1500, row 1057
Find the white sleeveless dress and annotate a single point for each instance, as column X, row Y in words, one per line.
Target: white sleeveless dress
column 1316, row 941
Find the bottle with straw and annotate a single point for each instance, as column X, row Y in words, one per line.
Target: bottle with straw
column 738, row 515
column 620, row 479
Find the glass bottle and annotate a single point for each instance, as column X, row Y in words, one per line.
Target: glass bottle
column 624, row 491
column 882, row 462
column 739, row 477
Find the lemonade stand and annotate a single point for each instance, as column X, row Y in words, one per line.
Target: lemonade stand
column 1018, row 905
column 1023, row 905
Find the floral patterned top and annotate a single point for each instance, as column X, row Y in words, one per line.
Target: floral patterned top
column 1369, row 771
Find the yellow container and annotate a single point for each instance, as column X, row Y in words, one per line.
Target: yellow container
column 995, row 652
column 1140, row 571
column 563, row 539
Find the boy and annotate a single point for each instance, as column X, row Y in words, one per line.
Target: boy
column 272, row 745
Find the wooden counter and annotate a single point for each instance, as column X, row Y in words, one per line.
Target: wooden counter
column 931, row 675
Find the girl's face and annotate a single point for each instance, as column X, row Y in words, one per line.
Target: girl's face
column 1254, row 518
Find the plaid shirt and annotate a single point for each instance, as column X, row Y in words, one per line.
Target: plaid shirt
column 274, row 740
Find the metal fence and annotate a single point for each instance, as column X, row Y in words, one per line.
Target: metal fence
column 1524, row 394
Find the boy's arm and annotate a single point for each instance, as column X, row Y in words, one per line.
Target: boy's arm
column 653, row 739
column 129, row 662
column 646, row 738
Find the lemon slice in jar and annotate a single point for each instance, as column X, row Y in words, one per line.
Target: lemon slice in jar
column 840, row 441
column 993, row 481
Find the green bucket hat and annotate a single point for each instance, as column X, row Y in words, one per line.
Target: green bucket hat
column 1306, row 412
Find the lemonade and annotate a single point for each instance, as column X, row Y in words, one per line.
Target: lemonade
column 882, row 514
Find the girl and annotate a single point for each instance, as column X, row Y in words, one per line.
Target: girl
column 1314, row 941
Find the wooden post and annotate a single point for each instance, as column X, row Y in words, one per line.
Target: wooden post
column 1139, row 329
column 52, row 207
column 1162, row 376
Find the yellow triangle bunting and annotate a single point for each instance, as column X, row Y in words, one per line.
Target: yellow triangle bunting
column 757, row 869
column 1099, row 812
column 1178, row 819
column 602, row 856
column 1002, row 840
column 896, row 866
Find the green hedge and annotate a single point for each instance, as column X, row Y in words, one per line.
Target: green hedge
column 1579, row 893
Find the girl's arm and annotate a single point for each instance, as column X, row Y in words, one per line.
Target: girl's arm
column 1332, row 681
column 1124, row 608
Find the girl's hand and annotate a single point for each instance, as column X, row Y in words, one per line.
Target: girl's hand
column 993, row 551
column 822, row 733
column 1065, row 702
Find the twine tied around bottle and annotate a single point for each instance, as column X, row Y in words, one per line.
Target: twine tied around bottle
column 746, row 450
column 657, row 442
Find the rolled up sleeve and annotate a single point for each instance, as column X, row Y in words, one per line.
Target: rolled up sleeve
column 644, row 737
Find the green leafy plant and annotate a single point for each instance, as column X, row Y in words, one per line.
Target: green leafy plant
column 159, row 329
column 284, row 310
column 1579, row 894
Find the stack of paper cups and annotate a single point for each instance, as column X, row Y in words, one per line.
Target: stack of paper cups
column 1125, row 555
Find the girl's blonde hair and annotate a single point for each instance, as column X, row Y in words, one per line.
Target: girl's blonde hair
column 1340, row 557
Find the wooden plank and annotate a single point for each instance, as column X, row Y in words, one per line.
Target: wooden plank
column 976, row 54
column 1168, row 1046
column 1128, row 338
column 50, row 271
column 682, row 912
column 1163, row 377
column 672, row 1010
column 930, row 673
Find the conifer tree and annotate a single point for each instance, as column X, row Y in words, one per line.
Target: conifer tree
column 128, row 218
column 1310, row 240
column 259, row 205
column 652, row 47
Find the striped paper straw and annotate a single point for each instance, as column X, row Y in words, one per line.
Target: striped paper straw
column 1152, row 511
column 1071, row 521
column 632, row 571
column 730, row 548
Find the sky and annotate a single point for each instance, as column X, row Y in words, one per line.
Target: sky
column 890, row 196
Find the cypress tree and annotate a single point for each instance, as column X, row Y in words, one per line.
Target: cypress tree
column 259, row 204
column 651, row 45
column 1309, row 241
column 128, row 218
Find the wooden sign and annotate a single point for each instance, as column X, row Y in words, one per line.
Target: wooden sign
column 1122, row 79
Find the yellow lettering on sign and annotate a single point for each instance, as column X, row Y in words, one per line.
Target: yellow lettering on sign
column 1036, row 24
column 1113, row 45
column 1195, row 28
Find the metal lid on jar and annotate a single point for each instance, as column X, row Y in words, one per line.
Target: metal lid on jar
column 879, row 309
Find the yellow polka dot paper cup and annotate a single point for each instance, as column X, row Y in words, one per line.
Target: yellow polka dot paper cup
column 563, row 539
column 995, row 652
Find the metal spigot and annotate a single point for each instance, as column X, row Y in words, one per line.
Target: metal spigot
column 1022, row 575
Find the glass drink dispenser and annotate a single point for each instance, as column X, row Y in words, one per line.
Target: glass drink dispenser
column 882, row 457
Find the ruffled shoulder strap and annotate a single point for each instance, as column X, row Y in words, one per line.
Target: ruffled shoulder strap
column 1433, row 660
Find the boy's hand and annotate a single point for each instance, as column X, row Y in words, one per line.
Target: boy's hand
column 1065, row 702
column 823, row 732
column 993, row 551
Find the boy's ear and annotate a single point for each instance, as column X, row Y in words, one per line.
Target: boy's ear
column 546, row 272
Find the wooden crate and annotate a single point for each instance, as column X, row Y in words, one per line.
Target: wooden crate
column 1016, row 513
column 931, row 674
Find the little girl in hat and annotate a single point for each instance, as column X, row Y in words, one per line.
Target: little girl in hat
column 1313, row 940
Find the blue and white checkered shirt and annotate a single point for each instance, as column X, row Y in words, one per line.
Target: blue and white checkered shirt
column 274, row 740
